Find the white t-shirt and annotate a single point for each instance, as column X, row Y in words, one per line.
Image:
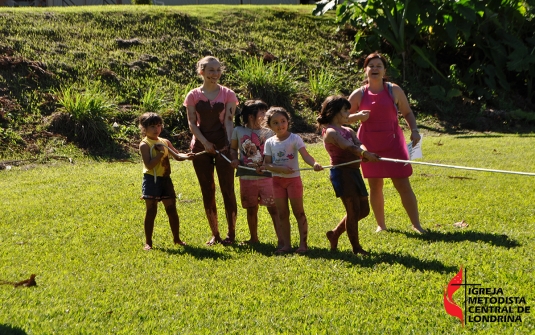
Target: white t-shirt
column 285, row 153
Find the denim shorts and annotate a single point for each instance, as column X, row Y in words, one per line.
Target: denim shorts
column 348, row 182
column 162, row 189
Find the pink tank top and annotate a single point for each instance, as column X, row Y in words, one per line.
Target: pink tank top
column 338, row 155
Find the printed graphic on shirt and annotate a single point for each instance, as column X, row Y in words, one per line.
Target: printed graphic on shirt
column 252, row 148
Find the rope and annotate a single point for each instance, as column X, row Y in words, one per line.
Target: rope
column 359, row 160
column 456, row 167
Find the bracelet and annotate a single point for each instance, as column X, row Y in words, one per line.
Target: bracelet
column 362, row 153
column 415, row 129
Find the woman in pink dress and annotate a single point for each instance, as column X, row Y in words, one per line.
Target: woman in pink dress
column 375, row 106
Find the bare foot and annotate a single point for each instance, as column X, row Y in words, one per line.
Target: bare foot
column 179, row 242
column 214, row 240
column 228, row 241
column 360, row 251
column 380, row 229
column 147, row 247
column 249, row 242
column 283, row 251
column 333, row 239
column 419, row 229
column 302, row 250
column 280, row 245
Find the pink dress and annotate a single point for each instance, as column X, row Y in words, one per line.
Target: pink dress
column 382, row 135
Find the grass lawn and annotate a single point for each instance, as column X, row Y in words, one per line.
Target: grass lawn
column 79, row 228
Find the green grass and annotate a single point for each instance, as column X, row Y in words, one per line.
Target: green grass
column 79, row 228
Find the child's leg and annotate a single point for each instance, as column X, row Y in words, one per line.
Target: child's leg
column 284, row 227
column 174, row 221
column 150, row 216
column 299, row 213
column 272, row 210
column 204, row 169
column 352, row 206
column 252, row 222
column 225, row 174
column 333, row 235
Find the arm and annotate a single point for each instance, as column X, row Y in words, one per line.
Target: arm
column 192, row 123
column 354, row 114
column 235, row 162
column 354, row 146
column 230, row 109
column 174, row 152
column 405, row 109
column 268, row 165
column 309, row 159
column 150, row 163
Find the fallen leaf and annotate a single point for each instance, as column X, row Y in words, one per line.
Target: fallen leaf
column 461, row 224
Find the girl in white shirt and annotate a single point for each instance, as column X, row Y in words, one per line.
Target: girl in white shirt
column 280, row 157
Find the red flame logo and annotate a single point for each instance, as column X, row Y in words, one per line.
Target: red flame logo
column 451, row 307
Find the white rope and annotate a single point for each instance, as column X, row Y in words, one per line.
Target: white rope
column 304, row 169
column 455, row 167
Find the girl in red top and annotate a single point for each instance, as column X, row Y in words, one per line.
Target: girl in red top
column 211, row 109
column 343, row 147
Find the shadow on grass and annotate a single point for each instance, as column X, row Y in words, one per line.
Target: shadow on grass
column 197, row 252
column 262, row 248
column 498, row 240
column 10, row 330
column 375, row 258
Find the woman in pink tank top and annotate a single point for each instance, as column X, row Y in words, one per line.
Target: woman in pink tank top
column 377, row 108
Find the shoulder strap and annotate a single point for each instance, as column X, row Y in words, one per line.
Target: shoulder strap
column 389, row 86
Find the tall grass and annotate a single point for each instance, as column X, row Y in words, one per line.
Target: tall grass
column 321, row 84
column 83, row 114
column 153, row 101
column 271, row 82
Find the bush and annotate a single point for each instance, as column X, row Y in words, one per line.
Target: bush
column 82, row 116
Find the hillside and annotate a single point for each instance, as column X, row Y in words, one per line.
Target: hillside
column 136, row 58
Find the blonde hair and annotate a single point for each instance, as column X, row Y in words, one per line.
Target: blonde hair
column 201, row 64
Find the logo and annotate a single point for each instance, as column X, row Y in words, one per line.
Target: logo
column 451, row 307
column 483, row 304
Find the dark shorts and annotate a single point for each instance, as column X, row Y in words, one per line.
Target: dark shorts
column 348, row 182
column 162, row 189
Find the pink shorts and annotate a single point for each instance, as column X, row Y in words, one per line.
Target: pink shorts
column 287, row 187
column 256, row 192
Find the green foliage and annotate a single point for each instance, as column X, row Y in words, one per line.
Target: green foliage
column 321, row 84
column 271, row 82
column 490, row 42
column 152, row 101
column 79, row 228
column 82, row 115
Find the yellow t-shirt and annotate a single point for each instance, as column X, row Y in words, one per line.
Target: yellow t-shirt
column 163, row 169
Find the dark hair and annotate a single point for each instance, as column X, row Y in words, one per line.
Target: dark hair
column 376, row 55
column 149, row 119
column 330, row 107
column 250, row 107
column 275, row 110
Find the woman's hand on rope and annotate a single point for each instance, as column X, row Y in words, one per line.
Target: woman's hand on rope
column 209, row 147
